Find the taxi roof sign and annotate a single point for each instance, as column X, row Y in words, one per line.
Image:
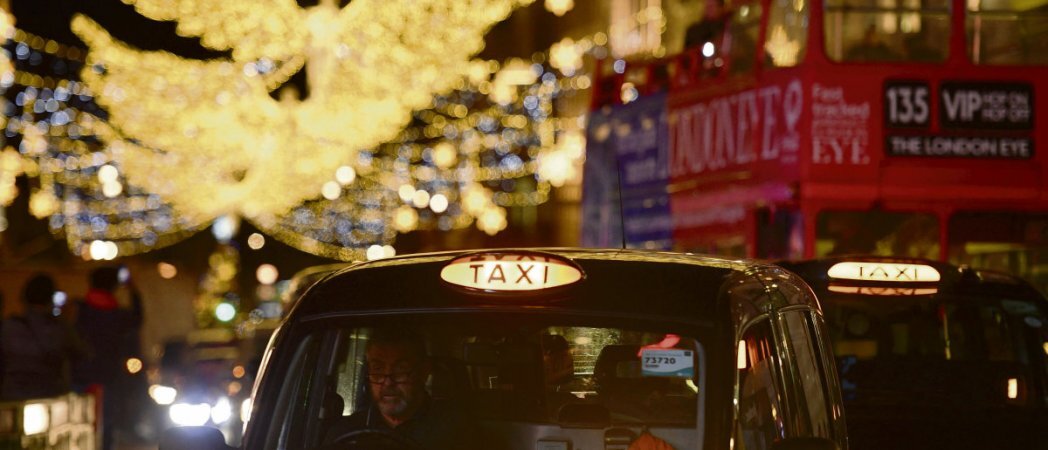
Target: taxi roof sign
column 884, row 272
column 510, row 272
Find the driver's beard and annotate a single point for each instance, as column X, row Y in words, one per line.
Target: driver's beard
column 396, row 408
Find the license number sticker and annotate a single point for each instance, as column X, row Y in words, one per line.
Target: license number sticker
column 667, row 363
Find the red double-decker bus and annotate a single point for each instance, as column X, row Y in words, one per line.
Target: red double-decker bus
column 803, row 128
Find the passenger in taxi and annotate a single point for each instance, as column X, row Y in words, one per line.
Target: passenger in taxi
column 402, row 414
column 557, row 362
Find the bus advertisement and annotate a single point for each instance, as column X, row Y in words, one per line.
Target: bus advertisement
column 803, row 129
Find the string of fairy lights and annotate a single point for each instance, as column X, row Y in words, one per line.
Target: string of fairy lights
column 488, row 140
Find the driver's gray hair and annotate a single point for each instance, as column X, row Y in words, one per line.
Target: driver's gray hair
column 400, row 336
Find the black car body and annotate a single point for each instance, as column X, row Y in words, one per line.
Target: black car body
column 698, row 352
column 932, row 355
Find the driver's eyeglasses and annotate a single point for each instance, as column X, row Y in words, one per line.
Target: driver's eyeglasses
column 396, row 377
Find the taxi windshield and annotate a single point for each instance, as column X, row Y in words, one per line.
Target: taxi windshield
column 949, row 350
column 502, row 381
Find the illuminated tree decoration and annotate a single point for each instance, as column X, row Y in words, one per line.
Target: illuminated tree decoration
column 207, row 137
column 493, row 141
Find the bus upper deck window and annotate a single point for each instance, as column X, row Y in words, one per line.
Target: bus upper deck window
column 887, row 30
column 743, row 30
column 787, row 36
column 1007, row 32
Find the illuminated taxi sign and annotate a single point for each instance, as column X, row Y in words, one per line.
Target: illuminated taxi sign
column 883, row 271
column 886, row 291
column 511, row 272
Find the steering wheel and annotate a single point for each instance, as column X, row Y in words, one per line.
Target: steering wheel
column 373, row 438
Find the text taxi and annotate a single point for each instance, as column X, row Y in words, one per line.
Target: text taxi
column 933, row 355
column 546, row 349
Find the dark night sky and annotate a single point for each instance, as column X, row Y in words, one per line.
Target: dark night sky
column 50, row 18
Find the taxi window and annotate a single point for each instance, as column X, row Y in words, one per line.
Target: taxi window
column 513, row 377
column 904, row 348
column 805, row 347
column 760, row 402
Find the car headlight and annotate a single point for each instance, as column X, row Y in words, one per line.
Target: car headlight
column 186, row 414
column 35, row 418
column 222, row 411
column 163, row 395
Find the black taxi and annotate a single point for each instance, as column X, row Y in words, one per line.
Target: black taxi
column 546, row 349
column 932, row 355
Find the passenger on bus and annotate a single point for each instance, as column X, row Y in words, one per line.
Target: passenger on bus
column 397, row 369
column 919, row 48
column 871, row 48
column 710, row 27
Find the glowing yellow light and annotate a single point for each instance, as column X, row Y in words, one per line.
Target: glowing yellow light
column 1013, row 388
column 228, row 146
column 420, row 198
column 629, row 92
column 565, row 56
column 559, row 7
column 107, row 174
column 167, row 271
column 331, row 190
column 406, row 192
column 375, row 252
column 388, row 251
column 256, row 241
column 267, row 274
column 783, row 50
column 884, row 290
column 510, row 272
column 238, row 371
column 444, row 155
column 405, row 219
column 439, row 203
column 43, row 203
column 134, row 365
column 880, row 271
column 35, row 418
column 556, row 167
column 492, row 221
column 345, row 175
column 112, row 189
column 103, row 250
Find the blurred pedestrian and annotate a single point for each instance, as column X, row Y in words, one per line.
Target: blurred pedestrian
column 38, row 349
column 105, row 327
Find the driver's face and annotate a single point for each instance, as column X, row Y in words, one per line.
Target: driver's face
column 398, row 379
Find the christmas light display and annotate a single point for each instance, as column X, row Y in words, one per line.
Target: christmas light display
column 208, row 138
column 492, row 141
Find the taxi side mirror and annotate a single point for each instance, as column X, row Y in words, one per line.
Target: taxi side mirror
column 805, row 443
column 193, row 438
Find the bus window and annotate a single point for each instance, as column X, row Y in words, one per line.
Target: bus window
column 743, row 29
column 780, row 233
column 877, row 233
column 887, row 30
column 787, row 35
column 1009, row 242
column 1002, row 32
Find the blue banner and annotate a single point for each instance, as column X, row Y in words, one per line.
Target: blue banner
column 641, row 136
column 601, row 214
